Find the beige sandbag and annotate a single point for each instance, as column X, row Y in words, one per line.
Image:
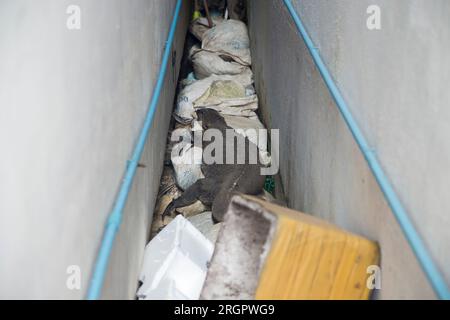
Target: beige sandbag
column 229, row 98
column 195, row 90
column 220, row 90
column 207, row 63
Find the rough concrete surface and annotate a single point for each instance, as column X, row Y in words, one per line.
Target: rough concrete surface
column 395, row 81
column 242, row 245
column 73, row 103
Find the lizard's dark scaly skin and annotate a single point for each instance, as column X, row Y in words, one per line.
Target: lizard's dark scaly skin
column 221, row 180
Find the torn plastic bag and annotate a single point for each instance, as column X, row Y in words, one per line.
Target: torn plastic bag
column 175, row 263
column 229, row 38
column 207, row 63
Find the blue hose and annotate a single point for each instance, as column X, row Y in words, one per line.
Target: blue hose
column 115, row 218
column 431, row 270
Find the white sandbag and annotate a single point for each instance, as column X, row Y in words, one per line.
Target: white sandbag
column 195, row 90
column 244, row 126
column 186, row 159
column 199, row 26
column 175, row 263
column 187, row 166
column 229, row 38
column 187, row 96
column 207, row 63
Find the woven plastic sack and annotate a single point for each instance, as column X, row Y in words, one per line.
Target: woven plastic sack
column 197, row 94
column 207, row 63
column 229, row 38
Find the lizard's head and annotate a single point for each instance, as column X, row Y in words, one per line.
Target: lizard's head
column 211, row 119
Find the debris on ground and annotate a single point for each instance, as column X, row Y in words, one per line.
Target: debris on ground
column 204, row 223
column 167, row 192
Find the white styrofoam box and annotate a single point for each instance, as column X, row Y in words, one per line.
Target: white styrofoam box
column 175, row 263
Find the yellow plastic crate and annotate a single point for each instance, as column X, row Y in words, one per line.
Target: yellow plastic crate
column 312, row 259
column 269, row 252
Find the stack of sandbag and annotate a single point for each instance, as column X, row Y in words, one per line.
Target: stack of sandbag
column 222, row 80
column 228, row 39
column 228, row 94
column 177, row 258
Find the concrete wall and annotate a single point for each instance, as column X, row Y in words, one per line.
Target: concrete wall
column 395, row 81
column 72, row 105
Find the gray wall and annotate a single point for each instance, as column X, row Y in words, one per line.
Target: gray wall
column 395, row 81
column 72, row 105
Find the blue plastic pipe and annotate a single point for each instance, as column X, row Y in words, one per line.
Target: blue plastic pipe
column 431, row 270
column 115, row 218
